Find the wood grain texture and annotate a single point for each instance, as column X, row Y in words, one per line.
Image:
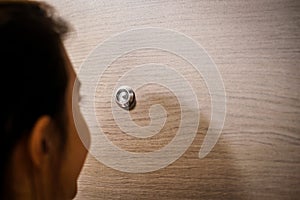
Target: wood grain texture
column 256, row 46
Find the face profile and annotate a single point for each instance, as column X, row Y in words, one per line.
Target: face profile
column 41, row 152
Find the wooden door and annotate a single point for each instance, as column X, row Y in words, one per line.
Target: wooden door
column 255, row 46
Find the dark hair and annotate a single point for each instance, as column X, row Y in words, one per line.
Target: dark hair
column 33, row 72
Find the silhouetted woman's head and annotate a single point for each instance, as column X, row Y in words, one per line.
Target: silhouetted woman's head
column 41, row 154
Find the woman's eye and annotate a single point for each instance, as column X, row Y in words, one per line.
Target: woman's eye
column 81, row 99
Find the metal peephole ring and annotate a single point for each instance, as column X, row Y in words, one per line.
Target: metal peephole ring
column 125, row 97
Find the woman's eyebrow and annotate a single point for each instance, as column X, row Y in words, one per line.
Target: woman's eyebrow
column 78, row 82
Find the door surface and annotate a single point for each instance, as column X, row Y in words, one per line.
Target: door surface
column 255, row 46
